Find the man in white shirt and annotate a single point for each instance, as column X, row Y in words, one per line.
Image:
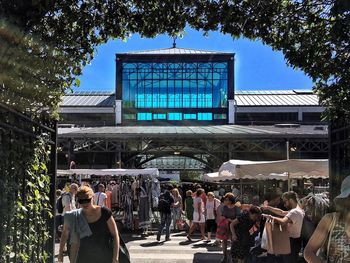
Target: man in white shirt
column 100, row 197
column 293, row 219
column 68, row 199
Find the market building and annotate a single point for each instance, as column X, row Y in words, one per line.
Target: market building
column 177, row 109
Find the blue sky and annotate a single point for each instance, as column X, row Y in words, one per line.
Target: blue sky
column 257, row 66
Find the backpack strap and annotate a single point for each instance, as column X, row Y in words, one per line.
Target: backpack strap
column 330, row 232
column 98, row 198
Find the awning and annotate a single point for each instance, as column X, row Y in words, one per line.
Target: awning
column 268, row 170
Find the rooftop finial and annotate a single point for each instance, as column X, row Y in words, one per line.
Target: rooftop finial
column 174, row 41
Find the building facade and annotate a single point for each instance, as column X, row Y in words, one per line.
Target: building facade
column 177, row 110
column 174, row 87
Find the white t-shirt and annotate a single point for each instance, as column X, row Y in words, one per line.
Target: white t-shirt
column 99, row 198
column 296, row 215
column 67, row 199
column 210, row 208
column 196, row 202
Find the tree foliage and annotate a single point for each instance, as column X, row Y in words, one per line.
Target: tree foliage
column 45, row 44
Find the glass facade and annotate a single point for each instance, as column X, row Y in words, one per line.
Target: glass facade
column 174, row 91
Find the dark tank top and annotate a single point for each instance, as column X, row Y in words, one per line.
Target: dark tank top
column 96, row 248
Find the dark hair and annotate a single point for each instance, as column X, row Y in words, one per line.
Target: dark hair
column 230, row 197
column 255, row 210
column 199, row 192
column 290, row 195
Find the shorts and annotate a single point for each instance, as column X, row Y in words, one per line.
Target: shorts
column 211, row 225
column 196, row 218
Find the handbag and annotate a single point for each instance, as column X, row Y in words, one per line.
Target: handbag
column 322, row 253
column 124, row 256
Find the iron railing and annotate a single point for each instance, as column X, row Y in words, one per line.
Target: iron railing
column 18, row 134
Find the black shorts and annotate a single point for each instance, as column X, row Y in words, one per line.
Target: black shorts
column 211, row 225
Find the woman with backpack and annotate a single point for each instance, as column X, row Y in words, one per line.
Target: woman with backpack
column 166, row 201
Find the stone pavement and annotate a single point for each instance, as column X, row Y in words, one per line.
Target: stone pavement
column 177, row 250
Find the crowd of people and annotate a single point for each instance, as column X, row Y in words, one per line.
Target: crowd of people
column 242, row 225
column 222, row 218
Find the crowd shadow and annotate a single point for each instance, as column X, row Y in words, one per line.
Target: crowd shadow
column 203, row 257
column 153, row 244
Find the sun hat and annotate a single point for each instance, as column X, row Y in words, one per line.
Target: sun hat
column 345, row 188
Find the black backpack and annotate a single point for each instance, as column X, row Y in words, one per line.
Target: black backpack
column 164, row 205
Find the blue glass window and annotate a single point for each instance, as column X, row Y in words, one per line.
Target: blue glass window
column 159, row 116
column 190, row 116
column 175, row 116
column 142, row 116
column 207, row 116
column 175, row 85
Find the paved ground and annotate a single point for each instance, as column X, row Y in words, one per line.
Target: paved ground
column 177, row 250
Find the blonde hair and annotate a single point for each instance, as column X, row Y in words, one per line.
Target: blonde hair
column 211, row 194
column 189, row 193
column 85, row 192
column 175, row 190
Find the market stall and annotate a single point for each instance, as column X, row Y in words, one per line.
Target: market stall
column 269, row 170
column 134, row 193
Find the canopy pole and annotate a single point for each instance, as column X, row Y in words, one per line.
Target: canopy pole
column 287, row 155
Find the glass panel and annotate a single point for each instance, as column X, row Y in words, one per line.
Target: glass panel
column 141, row 116
column 175, row 116
column 190, row 116
column 174, row 85
column 207, row 116
column 159, row 116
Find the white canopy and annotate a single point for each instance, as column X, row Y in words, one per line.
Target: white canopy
column 268, row 170
column 116, row 172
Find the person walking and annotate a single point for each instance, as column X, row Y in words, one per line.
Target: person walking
column 176, row 209
column 166, row 201
column 293, row 219
column 100, row 198
column 211, row 212
column 198, row 215
column 228, row 214
column 93, row 232
column 241, row 238
column 68, row 199
column 332, row 235
column 189, row 206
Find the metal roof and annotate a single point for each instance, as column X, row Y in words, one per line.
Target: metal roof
column 88, row 99
column 220, row 131
column 243, row 98
column 277, row 100
column 176, row 51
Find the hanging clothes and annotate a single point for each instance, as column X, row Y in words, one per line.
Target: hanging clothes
column 144, row 208
column 155, row 192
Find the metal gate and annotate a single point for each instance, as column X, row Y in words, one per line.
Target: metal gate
column 339, row 154
column 23, row 238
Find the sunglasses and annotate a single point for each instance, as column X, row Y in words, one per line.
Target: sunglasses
column 84, row 201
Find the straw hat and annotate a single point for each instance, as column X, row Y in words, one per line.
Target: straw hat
column 345, row 188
